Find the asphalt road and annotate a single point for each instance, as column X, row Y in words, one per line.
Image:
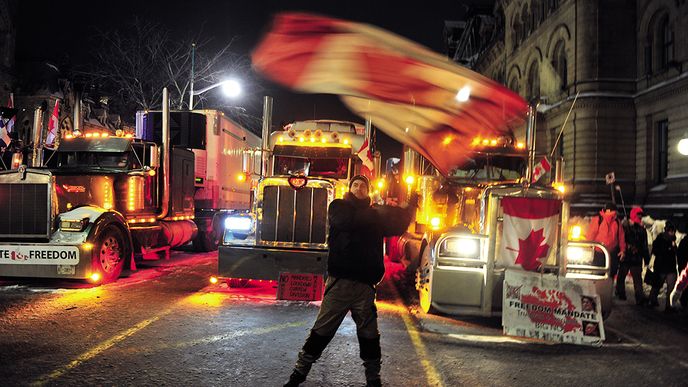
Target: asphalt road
column 165, row 325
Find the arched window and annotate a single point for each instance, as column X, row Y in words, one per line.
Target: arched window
column 665, row 43
column 516, row 32
column 552, row 6
column 513, row 84
column 535, row 14
column 525, row 20
column 533, row 88
column 559, row 64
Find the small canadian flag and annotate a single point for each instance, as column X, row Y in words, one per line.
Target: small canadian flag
column 540, row 169
column 367, row 158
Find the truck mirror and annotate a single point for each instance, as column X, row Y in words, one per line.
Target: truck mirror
column 154, row 154
column 247, row 166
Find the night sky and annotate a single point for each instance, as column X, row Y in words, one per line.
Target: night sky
column 61, row 31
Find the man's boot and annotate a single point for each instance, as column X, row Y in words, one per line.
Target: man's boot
column 371, row 354
column 311, row 351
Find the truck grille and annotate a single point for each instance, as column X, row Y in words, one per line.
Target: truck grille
column 24, row 210
column 294, row 216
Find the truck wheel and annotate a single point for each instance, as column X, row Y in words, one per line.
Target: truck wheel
column 206, row 241
column 424, row 283
column 108, row 254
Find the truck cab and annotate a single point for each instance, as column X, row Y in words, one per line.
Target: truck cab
column 308, row 164
column 458, row 248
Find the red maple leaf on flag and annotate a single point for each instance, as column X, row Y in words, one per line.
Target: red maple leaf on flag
column 531, row 249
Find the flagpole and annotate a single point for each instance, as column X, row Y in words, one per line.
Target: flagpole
column 561, row 131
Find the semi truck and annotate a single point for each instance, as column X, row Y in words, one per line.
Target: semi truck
column 457, row 247
column 100, row 201
column 303, row 167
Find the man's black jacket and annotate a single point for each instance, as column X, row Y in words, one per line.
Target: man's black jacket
column 355, row 238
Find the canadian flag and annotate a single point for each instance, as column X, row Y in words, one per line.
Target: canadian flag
column 52, row 125
column 540, row 169
column 529, row 232
column 367, row 158
column 412, row 93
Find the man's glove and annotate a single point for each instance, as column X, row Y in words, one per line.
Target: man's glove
column 675, row 298
column 413, row 200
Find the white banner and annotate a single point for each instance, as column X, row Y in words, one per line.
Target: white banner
column 551, row 308
column 39, row 255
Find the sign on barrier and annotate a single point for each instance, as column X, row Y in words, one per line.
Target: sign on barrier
column 552, row 308
column 300, row 287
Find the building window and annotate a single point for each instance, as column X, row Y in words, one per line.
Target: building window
column 526, row 21
column 513, row 85
column 559, row 64
column 665, row 45
column 533, row 88
column 662, row 150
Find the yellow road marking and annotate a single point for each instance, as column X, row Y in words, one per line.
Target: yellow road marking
column 431, row 375
column 102, row 347
column 97, row 350
column 216, row 338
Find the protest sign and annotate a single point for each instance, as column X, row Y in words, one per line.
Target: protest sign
column 551, row 308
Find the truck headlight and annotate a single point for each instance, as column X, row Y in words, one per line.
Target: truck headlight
column 460, row 247
column 579, row 255
column 73, row 225
column 238, row 223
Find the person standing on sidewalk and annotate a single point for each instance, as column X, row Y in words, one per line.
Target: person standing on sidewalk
column 664, row 250
column 605, row 229
column 355, row 266
column 634, row 252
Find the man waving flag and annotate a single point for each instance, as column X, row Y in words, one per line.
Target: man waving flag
column 417, row 96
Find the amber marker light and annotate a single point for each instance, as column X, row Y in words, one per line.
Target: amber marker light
column 520, row 145
column 576, row 233
column 241, row 177
column 213, row 280
column 87, row 246
column 95, row 277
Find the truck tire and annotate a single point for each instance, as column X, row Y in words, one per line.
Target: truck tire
column 206, row 241
column 424, row 282
column 109, row 252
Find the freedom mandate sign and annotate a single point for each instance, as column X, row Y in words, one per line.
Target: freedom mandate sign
column 551, row 308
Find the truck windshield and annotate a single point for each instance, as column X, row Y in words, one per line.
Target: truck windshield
column 115, row 160
column 487, row 166
column 334, row 168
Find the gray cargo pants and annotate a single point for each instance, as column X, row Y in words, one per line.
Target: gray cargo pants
column 341, row 297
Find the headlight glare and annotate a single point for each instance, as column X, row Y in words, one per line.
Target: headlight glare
column 579, row 255
column 238, row 223
column 461, row 247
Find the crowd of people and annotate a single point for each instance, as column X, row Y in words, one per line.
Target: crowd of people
column 636, row 242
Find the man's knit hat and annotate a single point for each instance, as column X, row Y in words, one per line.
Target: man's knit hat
column 362, row 178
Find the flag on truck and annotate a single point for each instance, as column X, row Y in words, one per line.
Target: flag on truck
column 366, row 157
column 52, row 125
column 418, row 97
column 529, row 232
column 540, row 169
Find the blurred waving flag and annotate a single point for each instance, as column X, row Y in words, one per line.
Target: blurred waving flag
column 415, row 95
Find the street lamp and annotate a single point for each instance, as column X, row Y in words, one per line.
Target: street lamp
column 683, row 146
column 230, row 87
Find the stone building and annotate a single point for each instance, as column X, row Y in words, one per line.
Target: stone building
column 627, row 60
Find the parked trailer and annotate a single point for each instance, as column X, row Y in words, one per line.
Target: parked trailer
column 217, row 142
